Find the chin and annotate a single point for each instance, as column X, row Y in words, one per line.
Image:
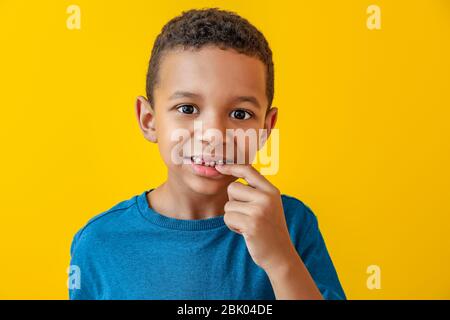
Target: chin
column 207, row 186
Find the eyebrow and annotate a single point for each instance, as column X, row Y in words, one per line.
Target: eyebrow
column 183, row 94
column 187, row 94
column 250, row 99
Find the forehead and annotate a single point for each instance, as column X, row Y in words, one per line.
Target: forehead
column 212, row 72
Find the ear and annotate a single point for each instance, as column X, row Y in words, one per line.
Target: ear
column 269, row 124
column 146, row 117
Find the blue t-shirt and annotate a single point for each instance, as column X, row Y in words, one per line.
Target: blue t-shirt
column 133, row 252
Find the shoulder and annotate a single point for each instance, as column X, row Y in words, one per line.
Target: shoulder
column 300, row 219
column 308, row 240
column 296, row 211
column 100, row 224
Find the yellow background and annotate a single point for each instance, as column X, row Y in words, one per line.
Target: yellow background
column 364, row 130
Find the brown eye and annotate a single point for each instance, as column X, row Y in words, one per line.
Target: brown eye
column 241, row 114
column 187, row 109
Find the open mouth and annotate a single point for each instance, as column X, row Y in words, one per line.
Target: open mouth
column 205, row 166
column 208, row 162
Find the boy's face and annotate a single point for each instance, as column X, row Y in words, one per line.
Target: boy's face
column 218, row 89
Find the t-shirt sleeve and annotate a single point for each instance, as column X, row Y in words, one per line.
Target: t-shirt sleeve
column 80, row 284
column 313, row 251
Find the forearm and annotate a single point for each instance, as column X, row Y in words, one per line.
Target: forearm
column 292, row 281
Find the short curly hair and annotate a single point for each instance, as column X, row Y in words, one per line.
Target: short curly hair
column 211, row 26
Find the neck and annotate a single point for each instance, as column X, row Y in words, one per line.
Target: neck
column 175, row 199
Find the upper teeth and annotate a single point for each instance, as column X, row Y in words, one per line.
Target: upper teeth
column 199, row 160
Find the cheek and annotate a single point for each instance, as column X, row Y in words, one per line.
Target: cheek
column 247, row 147
column 173, row 144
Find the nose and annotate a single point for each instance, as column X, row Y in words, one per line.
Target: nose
column 210, row 127
column 210, row 133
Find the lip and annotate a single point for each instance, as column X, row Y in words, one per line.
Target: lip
column 203, row 170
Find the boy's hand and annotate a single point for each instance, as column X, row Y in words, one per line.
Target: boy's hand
column 256, row 212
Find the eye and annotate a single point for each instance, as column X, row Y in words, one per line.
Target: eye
column 241, row 114
column 187, row 109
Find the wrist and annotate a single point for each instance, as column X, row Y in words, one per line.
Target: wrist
column 291, row 279
column 282, row 266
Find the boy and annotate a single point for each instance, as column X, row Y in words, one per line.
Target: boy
column 201, row 234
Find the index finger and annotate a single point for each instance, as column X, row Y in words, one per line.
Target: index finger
column 247, row 172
